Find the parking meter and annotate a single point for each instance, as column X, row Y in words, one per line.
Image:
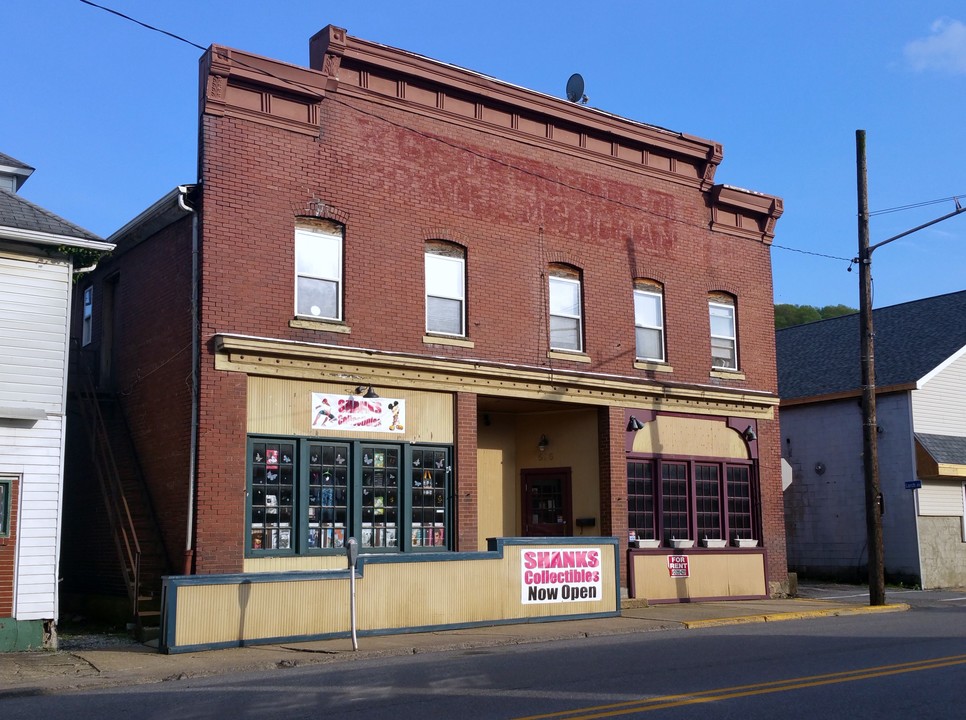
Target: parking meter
column 352, row 552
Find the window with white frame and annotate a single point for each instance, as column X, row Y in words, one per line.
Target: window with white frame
column 566, row 317
column 318, row 271
column 445, row 289
column 649, row 320
column 724, row 334
column 88, row 318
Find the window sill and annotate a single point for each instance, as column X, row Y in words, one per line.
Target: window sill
column 653, row 366
column 571, row 356
column 447, row 340
column 728, row 374
column 323, row 325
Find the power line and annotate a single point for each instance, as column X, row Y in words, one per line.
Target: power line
column 915, row 205
column 809, row 252
column 142, row 24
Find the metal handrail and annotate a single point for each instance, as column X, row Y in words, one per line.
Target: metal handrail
column 112, row 491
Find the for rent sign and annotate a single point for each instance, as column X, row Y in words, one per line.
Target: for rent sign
column 677, row 566
column 552, row 575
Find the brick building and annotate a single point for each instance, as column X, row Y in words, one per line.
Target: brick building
column 418, row 306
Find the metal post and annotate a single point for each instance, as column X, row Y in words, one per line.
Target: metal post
column 352, row 553
column 870, row 456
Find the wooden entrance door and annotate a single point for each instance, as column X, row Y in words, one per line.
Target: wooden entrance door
column 546, row 503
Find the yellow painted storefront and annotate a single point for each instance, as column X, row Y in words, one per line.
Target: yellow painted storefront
column 395, row 593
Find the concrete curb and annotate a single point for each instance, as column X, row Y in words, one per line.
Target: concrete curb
column 798, row 615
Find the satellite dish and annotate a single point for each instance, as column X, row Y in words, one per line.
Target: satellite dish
column 575, row 88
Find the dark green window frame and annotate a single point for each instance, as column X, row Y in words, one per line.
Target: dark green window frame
column 6, row 492
column 308, row 495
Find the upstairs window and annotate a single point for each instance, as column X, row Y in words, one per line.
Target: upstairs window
column 318, row 271
column 566, row 317
column 724, row 334
column 445, row 289
column 88, row 319
column 649, row 320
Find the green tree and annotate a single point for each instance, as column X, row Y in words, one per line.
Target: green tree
column 831, row 311
column 787, row 315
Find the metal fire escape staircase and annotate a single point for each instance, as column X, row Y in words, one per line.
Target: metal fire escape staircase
column 130, row 514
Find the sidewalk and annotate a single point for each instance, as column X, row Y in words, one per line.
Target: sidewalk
column 131, row 664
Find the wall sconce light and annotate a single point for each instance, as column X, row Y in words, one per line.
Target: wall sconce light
column 370, row 394
column 634, row 425
column 749, row 434
column 542, row 443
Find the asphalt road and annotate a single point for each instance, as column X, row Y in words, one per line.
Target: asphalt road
column 910, row 664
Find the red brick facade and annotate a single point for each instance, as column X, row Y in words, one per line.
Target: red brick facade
column 8, row 552
column 402, row 150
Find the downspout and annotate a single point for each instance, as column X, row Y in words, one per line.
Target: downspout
column 195, row 385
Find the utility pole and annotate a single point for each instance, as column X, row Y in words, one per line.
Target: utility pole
column 870, row 451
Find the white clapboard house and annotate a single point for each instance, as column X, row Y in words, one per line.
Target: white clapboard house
column 920, row 379
column 37, row 252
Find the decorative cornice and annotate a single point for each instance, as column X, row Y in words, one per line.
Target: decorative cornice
column 745, row 213
column 238, row 84
column 389, row 76
column 283, row 358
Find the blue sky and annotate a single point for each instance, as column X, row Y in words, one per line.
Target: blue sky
column 106, row 111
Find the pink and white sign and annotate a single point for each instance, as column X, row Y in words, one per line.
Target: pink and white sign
column 352, row 412
column 554, row 575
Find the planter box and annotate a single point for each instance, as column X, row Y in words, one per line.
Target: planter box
column 745, row 542
column 682, row 543
column 647, row 543
column 714, row 542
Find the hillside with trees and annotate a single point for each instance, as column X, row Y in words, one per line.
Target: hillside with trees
column 788, row 315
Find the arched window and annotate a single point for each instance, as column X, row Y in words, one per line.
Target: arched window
column 318, row 271
column 724, row 331
column 566, row 316
column 649, row 320
column 445, row 288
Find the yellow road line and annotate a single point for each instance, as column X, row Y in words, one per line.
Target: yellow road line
column 707, row 696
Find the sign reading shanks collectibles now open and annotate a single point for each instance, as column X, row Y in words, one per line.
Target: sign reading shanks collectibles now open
column 553, row 575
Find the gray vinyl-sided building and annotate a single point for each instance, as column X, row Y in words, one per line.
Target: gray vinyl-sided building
column 920, row 376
